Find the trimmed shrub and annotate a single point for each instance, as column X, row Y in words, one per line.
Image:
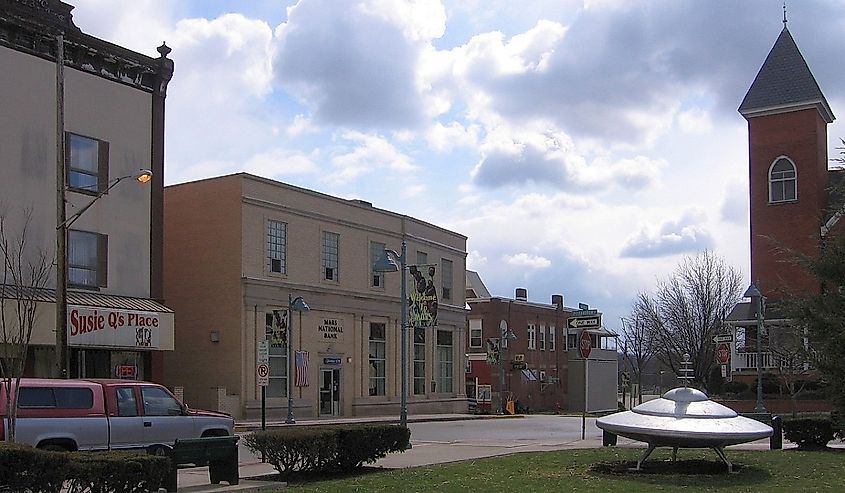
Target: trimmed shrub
column 328, row 449
column 735, row 387
column 119, row 472
column 25, row 468
column 810, row 433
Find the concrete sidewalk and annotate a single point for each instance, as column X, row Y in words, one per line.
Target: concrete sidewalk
column 422, row 453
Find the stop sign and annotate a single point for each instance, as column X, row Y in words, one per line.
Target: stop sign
column 723, row 354
column 585, row 344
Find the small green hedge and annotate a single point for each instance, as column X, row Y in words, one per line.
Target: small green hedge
column 328, row 449
column 24, row 468
column 810, row 432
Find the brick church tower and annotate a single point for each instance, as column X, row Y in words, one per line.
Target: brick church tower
column 787, row 118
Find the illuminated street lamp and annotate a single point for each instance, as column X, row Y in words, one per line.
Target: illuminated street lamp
column 388, row 263
column 62, row 225
column 294, row 305
column 757, row 303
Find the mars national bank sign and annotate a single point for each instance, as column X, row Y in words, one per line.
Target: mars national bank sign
column 114, row 328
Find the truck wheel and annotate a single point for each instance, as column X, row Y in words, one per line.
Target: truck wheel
column 158, row 451
column 54, row 447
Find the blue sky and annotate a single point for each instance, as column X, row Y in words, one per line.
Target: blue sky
column 583, row 146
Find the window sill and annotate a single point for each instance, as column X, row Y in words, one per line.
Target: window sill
column 783, row 202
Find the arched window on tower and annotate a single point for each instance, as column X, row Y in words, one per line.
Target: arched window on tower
column 782, row 181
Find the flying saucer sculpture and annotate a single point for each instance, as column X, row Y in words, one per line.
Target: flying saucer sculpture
column 684, row 418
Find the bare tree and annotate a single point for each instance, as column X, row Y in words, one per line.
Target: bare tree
column 790, row 348
column 639, row 344
column 688, row 309
column 25, row 272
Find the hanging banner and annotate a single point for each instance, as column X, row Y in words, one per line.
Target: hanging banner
column 279, row 329
column 423, row 297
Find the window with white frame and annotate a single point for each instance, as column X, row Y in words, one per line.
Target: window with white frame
column 275, row 331
column 552, row 338
column 277, row 238
column 419, row 361
column 377, row 250
column 378, row 358
column 87, row 163
column 532, row 336
column 331, row 243
column 445, row 361
column 475, row 339
column 446, row 278
column 542, row 338
column 782, row 181
column 87, row 259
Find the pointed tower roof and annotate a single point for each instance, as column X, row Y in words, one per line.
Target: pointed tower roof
column 784, row 83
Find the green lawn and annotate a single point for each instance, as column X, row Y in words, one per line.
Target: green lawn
column 607, row 470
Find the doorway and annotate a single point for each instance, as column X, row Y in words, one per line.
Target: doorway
column 330, row 392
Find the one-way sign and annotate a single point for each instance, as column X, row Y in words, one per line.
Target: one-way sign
column 583, row 322
column 720, row 338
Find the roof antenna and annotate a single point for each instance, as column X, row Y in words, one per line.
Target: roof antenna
column 784, row 13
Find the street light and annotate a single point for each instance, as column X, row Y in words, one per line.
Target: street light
column 62, row 225
column 294, row 305
column 507, row 335
column 757, row 301
column 387, row 263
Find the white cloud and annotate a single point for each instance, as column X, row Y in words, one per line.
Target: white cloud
column 684, row 235
column 695, row 120
column 527, row 260
column 371, row 152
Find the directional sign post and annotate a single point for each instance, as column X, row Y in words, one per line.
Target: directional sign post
column 590, row 322
column 720, row 338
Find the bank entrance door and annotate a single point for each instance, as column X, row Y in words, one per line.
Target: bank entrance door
column 330, row 392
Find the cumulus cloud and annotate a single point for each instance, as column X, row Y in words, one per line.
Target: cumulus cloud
column 355, row 63
column 684, row 235
column 370, row 152
column 527, row 260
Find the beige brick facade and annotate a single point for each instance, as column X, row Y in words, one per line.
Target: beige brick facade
column 219, row 282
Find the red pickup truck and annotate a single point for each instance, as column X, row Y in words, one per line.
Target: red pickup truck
column 94, row 414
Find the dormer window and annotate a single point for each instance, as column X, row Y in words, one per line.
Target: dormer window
column 782, row 178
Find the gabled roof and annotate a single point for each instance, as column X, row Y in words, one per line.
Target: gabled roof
column 475, row 286
column 784, row 83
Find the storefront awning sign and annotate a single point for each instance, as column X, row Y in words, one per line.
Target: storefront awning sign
column 116, row 328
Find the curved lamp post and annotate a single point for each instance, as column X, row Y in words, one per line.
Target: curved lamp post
column 294, row 305
column 62, row 225
column 387, row 263
column 757, row 301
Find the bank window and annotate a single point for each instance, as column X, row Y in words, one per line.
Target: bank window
column 377, row 250
column 475, row 333
column 331, row 243
column 782, row 181
column 422, row 258
column 532, row 336
column 445, row 361
column 419, row 361
column 542, row 338
column 446, row 278
column 277, row 238
column 378, row 352
column 87, row 259
column 87, row 163
column 552, row 338
column 157, row 402
column 275, row 331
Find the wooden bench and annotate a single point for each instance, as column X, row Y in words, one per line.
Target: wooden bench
column 220, row 453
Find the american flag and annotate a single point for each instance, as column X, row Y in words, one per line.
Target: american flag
column 301, row 363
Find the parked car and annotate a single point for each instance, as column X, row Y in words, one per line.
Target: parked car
column 96, row 414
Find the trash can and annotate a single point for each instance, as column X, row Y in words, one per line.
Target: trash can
column 608, row 439
column 776, row 441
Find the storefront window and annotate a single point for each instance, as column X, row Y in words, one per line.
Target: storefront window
column 377, row 358
column 445, row 361
column 419, row 361
column 276, row 333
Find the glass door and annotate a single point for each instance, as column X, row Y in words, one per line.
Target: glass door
column 330, row 392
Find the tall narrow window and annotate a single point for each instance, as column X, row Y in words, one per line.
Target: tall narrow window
column 422, row 258
column 330, row 256
column 275, row 331
column 532, row 336
column 552, row 338
column 376, row 251
column 87, row 259
column 475, row 333
column 378, row 358
column 782, row 178
column 445, row 362
column 87, row 163
column 446, row 278
column 277, row 239
column 542, row 338
column 419, row 361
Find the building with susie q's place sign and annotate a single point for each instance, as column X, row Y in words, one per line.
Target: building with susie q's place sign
column 273, row 243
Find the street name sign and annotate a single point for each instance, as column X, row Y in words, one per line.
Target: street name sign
column 720, row 338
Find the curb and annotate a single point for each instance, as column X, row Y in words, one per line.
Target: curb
column 245, row 427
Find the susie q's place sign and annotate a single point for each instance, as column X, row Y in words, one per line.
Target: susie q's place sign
column 105, row 327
